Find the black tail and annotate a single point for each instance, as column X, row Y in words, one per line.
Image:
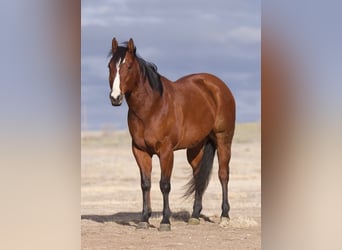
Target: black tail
column 200, row 180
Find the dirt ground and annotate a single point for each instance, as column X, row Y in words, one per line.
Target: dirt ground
column 111, row 200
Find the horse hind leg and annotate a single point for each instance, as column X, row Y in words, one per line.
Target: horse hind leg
column 201, row 159
column 224, row 155
column 194, row 156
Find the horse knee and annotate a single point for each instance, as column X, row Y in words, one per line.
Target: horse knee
column 145, row 184
column 165, row 186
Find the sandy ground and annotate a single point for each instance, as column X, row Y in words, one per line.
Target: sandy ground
column 111, row 200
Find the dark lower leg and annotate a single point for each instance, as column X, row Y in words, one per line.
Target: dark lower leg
column 225, row 203
column 165, row 188
column 144, row 160
column 223, row 174
column 146, row 187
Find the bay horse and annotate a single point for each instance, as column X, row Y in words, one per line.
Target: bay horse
column 196, row 112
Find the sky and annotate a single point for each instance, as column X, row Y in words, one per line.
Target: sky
column 221, row 37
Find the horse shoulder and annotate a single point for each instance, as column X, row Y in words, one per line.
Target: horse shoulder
column 136, row 129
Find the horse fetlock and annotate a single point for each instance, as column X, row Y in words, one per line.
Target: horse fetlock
column 225, row 210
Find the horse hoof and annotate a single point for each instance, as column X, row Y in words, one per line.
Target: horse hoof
column 224, row 222
column 165, row 227
column 143, row 225
column 194, row 221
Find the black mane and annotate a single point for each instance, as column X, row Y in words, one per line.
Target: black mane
column 147, row 69
column 118, row 55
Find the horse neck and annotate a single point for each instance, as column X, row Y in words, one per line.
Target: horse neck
column 143, row 99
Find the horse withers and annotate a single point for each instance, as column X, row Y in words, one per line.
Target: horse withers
column 196, row 112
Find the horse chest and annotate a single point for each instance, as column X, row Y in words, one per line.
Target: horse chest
column 146, row 140
column 152, row 134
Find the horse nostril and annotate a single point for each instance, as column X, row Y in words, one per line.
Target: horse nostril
column 116, row 101
column 112, row 99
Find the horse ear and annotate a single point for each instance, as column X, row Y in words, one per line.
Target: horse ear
column 114, row 45
column 130, row 46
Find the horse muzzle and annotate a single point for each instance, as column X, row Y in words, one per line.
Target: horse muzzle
column 117, row 101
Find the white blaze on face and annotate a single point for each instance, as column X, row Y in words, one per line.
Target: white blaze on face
column 116, row 84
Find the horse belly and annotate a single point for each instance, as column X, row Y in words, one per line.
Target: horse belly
column 196, row 131
column 196, row 118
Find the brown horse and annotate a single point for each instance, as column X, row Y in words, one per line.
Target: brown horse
column 196, row 112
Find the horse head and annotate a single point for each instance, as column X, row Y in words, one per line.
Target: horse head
column 123, row 71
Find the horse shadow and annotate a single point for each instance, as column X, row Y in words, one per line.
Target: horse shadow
column 133, row 218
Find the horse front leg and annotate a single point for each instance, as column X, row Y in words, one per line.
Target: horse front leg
column 166, row 165
column 144, row 161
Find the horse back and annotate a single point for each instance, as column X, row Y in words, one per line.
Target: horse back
column 207, row 90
